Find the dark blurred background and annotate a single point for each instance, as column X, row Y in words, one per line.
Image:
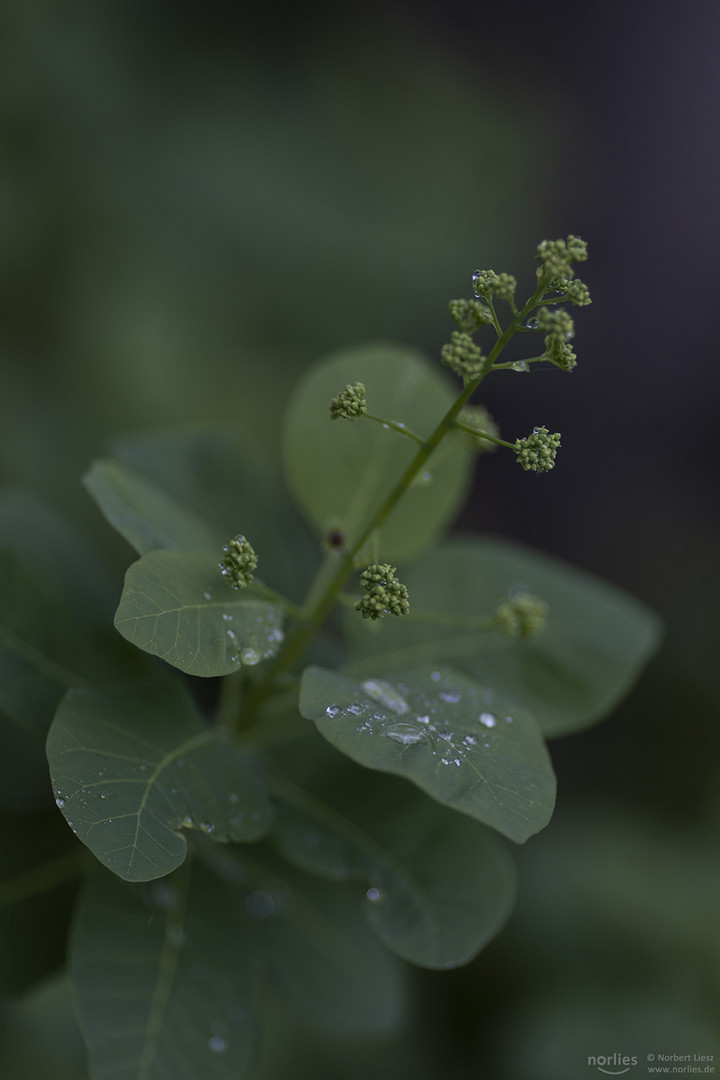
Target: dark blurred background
column 198, row 200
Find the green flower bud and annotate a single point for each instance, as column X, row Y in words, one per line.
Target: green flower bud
column 470, row 314
column 384, row 594
column 350, row 404
column 479, row 419
column 560, row 353
column 555, row 322
column 537, row 452
column 557, row 256
column 239, row 563
column 521, row 615
column 463, row 356
column 487, row 284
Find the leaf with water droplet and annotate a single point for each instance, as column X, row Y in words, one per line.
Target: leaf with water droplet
column 498, row 773
column 164, row 611
column 439, row 885
column 131, row 818
column 571, row 674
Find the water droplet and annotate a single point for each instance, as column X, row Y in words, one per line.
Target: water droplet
column 446, row 735
column 207, row 827
column 143, row 768
column 231, row 634
column 406, row 737
column 423, row 719
column 187, row 822
column 470, row 740
column 249, row 656
column 234, row 797
column 435, row 676
column 386, row 694
column 237, row 819
column 451, row 696
column 487, row 719
column 217, row 1044
column 508, row 719
column 356, row 709
column 207, row 594
column 276, row 636
column 519, row 365
column 532, row 324
column 226, row 617
column 104, row 795
column 60, row 802
column 374, row 895
column 332, row 711
column 260, row 905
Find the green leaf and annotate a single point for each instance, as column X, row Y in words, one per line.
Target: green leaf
column 168, row 976
column 177, row 605
column 439, row 886
column 144, row 514
column 211, row 478
column 45, row 647
column 341, row 471
column 453, row 737
column 596, row 641
column 166, row 986
column 132, row 765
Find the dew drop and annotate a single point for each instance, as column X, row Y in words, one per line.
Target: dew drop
column 508, row 719
column 226, row 617
column 406, row 737
column 435, row 676
column 249, row 656
column 217, row 1044
column 104, row 795
column 143, row 768
column 356, row 709
column 423, row 719
column 207, row 827
column 519, row 365
column 386, row 694
column 451, row 696
column 487, row 719
column 374, row 895
column 332, row 711
column 207, row 594
column 60, row 802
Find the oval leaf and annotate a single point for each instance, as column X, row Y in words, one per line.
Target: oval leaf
column 341, row 471
column 165, row 984
column 447, row 733
column 176, row 605
column 596, row 640
column 439, row 886
column 143, row 513
column 133, row 765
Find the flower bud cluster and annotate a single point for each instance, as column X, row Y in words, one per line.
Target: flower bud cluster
column 575, row 291
column 479, row 419
column 384, row 594
column 560, row 353
column 538, row 451
column 487, row 284
column 521, row 615
column 463, row 356
column 239, row 562
column 557, row 256
column 470, row 314
column 555, row 322
column 350, row 403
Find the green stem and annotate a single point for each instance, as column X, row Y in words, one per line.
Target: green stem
column 297, row 642
column 396, row 425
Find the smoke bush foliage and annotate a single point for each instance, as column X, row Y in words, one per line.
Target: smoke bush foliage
column 296, row 762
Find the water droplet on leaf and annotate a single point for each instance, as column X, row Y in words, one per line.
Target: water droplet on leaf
column 217, row 1044
column 487, row 719
column 386, row 694
column 249, row 656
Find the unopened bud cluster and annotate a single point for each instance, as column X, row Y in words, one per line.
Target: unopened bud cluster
column 521, row 615
column 538, row 451
column 557, row 256
column 463, row 356
column 384, row 594
column 470, row 314
column 239, row 562
column 488, row 284
column 350, row 403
